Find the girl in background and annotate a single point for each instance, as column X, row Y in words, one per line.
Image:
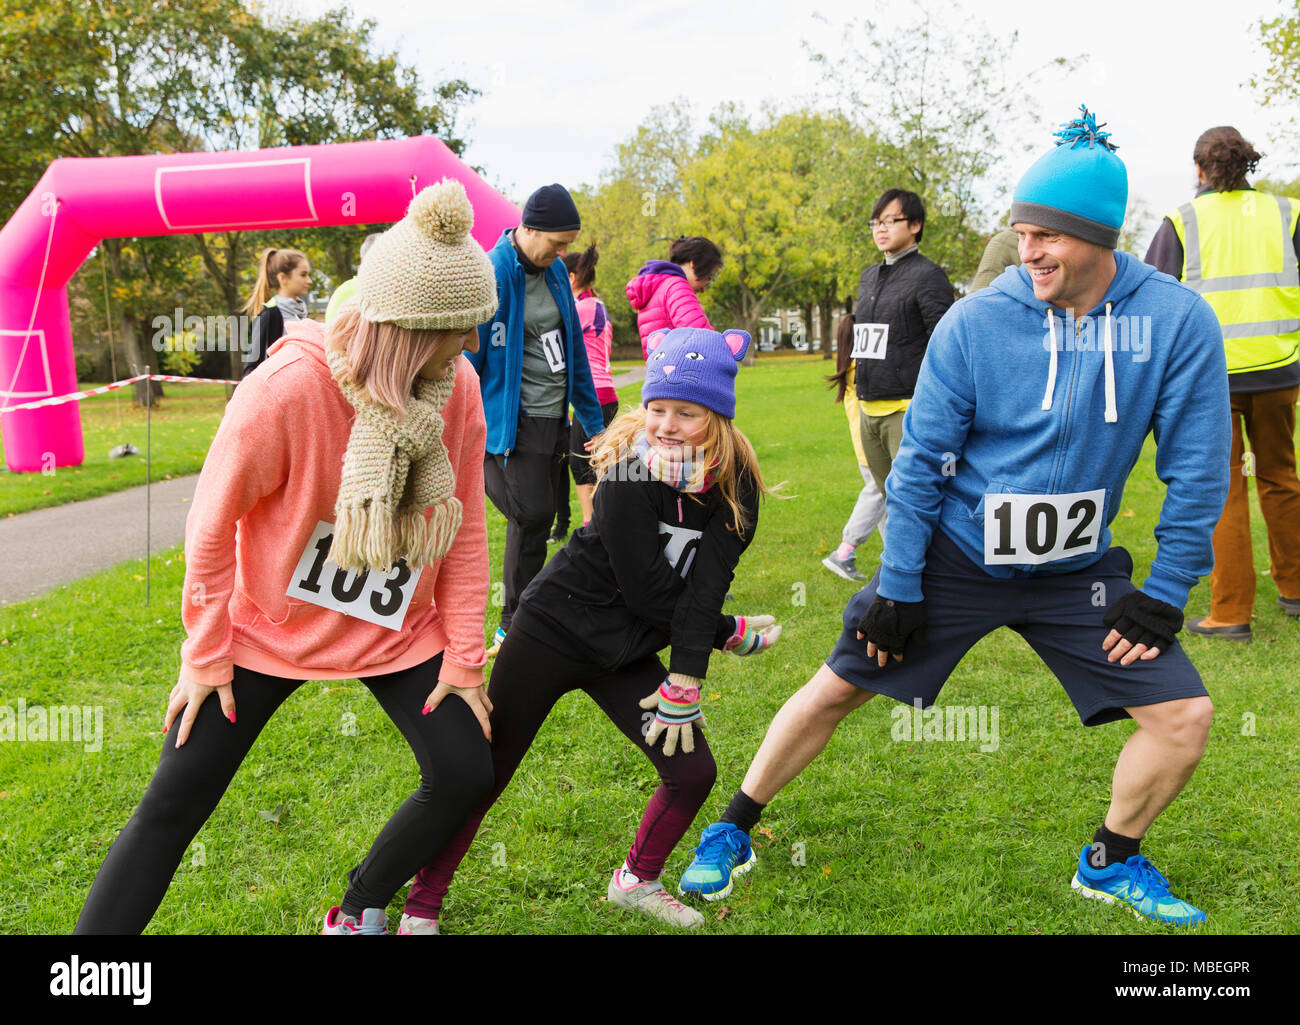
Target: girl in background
column 666, row 293
column 279, row 298
column 598, row 333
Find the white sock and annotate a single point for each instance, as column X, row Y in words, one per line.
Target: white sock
column 625, row 879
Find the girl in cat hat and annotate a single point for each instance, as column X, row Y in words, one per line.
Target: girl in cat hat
column 675, row 507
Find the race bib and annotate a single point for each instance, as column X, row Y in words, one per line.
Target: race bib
column 553, row 347
column 379, row 598
column 680, row 546
column 1033, row 529
column 869, row 341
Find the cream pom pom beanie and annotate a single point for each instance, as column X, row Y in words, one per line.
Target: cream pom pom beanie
column 425, row 272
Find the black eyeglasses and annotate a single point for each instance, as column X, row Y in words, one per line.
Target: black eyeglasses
column 885, row 222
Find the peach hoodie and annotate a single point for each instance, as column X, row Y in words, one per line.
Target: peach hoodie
column 271, row 475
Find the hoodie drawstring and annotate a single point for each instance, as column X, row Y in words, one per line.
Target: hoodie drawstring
column 1051, row 370
column 1112, row 414
column 679, row 508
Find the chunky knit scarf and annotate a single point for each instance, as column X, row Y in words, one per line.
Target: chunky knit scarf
column 393, row 469
column 676, row 473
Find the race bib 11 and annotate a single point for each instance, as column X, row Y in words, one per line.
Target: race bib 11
column 553, row 347
column 1033, row 529
column 869, row 341
column 379, row 598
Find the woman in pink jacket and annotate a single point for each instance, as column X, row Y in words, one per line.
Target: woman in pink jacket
column 338, row 532
column 665, row 293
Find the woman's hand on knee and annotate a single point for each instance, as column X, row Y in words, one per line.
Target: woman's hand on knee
column 475, row 697
column 187, row 697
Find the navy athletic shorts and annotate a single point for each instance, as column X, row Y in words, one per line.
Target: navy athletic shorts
column 1055, row 614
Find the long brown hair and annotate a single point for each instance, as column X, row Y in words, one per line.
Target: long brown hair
column 724, row 450
column 843, row 356
column 1225, row 158
column 271, row 264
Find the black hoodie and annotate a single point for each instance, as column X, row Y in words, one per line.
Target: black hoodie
column 651, row 569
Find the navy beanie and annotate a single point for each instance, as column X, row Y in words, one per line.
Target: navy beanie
column 551, row 208
column 1080, row 188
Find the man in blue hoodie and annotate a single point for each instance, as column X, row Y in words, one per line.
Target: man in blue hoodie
column 999, row 506
column 532, row 365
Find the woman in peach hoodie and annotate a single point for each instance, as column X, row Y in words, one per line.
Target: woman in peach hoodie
column 297, row 571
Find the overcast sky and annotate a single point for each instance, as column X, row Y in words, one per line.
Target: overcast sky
column 563, row 82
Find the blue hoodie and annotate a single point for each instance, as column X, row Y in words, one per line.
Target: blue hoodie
column 500, row 357
column 977, row 425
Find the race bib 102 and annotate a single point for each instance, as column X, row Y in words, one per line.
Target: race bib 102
column 869, row 341
column 553, row 347
column 1033, row 529
column 379, row 598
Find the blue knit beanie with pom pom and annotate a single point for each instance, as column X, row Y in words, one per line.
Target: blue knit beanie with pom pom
column 1080, row 188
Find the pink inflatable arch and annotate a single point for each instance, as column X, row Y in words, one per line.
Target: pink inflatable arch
column 77, row 202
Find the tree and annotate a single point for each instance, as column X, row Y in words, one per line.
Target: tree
column 637, row 207
column 938, row 101
column 751, row 190
column 1277, row 85
column 135, row 76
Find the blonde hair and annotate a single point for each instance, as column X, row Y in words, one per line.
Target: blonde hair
column 271, row 264
column 723, row 451
column 384, row 359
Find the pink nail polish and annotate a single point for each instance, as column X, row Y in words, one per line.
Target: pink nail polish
column 231, row 717
column 426, row 710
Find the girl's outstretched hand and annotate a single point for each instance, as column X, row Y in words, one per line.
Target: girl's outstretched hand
column 190, row 696
column 475, row 697
column 753, row 634
column 677, row 705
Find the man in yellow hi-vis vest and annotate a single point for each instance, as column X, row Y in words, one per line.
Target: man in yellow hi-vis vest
column 1240, row 249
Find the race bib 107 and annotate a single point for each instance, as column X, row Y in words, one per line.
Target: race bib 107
column 1033, row 529
column 869, row 341
column 379, row 598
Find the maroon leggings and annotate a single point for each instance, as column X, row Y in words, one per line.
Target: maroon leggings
column 529, row 677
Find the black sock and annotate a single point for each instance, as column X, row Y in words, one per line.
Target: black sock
column 1108, row 848
column 743, row 812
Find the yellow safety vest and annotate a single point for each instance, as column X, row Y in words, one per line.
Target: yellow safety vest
column 1239, row 255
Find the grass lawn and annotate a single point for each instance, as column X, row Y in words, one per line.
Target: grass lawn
column 877, row 836
column 182, row 429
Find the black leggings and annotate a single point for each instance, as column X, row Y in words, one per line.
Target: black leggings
column 455, row 778
column 529, row 677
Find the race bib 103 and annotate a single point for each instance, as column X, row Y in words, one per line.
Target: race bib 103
column 869, row 341
column 379, row 598
column 1033, row 529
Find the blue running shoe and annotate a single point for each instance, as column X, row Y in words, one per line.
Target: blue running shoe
column 723, row 854
column 1138, row 884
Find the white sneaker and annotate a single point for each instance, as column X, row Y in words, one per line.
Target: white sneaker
column 652, row 899
column 412, row 926
column 373, row 923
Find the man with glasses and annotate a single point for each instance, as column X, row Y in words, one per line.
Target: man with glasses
column 900, row 300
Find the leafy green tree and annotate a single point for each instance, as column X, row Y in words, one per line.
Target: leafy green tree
column 1278, row 85
column 933, row 92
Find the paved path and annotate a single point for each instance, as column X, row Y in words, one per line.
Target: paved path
column 49, row 547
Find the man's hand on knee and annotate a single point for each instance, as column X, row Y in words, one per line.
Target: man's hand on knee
column 889, row 626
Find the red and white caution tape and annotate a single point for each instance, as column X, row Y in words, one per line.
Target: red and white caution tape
column 77, row 396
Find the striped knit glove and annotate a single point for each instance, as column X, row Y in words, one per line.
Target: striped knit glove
column 753, row 634
column 677, row 705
